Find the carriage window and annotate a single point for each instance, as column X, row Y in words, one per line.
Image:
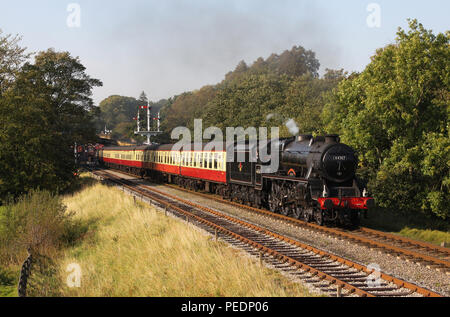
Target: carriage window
column 215, row 161
column 219, row 161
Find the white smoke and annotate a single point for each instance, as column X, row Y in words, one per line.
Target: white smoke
column 292, row 126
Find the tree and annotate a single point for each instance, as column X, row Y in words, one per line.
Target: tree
column 143, row 98
column 396, row 114
column 12, row 56
column 185, row 108
column 43, row 112
column 268, row 93
column 116, row 109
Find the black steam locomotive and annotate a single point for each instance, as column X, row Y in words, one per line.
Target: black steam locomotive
column 315, row 180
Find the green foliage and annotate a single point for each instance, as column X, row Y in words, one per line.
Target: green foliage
column 267, row 93
column 117, row 109
column 183, row 109
column 36, row 221
column 43, row 111
column 117, row 114
column 246, row 101
column 8, row 282
column 396, row 114
column 12, row 56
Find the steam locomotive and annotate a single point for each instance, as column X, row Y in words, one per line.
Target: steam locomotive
column 315, row 181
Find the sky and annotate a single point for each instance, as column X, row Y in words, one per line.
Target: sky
column 167, row 47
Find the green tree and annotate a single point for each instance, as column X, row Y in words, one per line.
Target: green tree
column 267, row 93
column 396, row 113
column 12, row 57
column 43, row 112
column 117, row 109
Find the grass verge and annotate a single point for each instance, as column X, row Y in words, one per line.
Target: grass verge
column 132, row 250
column 418, row 227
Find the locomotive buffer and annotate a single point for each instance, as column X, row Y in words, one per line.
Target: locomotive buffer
column 149, row 133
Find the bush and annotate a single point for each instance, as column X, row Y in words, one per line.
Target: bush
column 37, row 221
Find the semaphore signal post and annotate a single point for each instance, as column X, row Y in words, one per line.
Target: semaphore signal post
column 149, row 133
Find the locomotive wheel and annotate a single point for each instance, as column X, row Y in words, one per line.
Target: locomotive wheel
column 318, row 217
column 297, row 212
column 306, row 216
column 273, row 203
column 285, row 210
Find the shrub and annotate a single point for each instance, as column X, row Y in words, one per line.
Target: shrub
column 37, row 222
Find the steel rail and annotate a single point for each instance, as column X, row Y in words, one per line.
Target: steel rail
column 342, row 233
column 283, row 258
column 345, row 234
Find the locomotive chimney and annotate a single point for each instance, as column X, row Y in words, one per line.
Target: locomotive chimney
column 332, row 138
column 304, row 137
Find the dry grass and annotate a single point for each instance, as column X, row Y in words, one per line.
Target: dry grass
column 132, row 250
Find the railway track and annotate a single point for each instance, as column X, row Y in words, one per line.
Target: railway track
column 325, row 271
column 419, row 252
column 422, row 253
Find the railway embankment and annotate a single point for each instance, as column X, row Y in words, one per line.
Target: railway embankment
column 131, row 249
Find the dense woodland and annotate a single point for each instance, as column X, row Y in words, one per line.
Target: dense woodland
column 395, row 113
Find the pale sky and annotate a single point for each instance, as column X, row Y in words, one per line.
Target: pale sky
column 167, row 47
